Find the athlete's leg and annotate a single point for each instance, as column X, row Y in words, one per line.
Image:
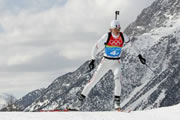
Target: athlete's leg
column 117, row 78
column 99, row 73
column 117, row 89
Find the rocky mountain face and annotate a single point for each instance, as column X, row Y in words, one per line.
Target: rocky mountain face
column 156, row 35
column 21, row 104
column 155, row 16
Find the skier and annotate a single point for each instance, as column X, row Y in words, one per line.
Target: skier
column 112, row 43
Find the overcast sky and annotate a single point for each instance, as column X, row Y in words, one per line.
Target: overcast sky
column 41, row 40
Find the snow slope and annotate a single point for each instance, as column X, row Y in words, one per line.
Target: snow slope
column 166, row 113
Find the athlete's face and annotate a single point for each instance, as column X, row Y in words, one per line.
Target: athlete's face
column 116, row 31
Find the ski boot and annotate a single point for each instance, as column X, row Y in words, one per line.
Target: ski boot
column 117, row 103
column 79, row 102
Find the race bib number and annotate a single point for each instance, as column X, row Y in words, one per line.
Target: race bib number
column 113, row 51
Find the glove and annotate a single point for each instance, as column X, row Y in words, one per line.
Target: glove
column 91, row 64
column 143, row 60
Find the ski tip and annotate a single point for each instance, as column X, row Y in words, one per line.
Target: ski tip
column 73, row 109
column 57, row 110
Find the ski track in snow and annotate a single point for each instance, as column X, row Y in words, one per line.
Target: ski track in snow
column 166, row 113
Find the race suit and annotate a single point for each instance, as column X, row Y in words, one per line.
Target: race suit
column 111, row 61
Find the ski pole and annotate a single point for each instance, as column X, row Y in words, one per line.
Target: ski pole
column 150, row 69
column 143, row 61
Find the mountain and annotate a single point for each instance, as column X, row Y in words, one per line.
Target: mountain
column 6, row 99
column 155, row 16
column 3, row 101
column 21, row 104
column 156, row 35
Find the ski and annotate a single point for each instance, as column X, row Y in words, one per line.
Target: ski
column 57, row 110
column 76, row 110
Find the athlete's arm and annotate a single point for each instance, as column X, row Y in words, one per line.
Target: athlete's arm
column 99, row 46
column 133, row 46
column 128, row 43
column 126, row 39
column 137, row 51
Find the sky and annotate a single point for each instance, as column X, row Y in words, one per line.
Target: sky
column 41, row 40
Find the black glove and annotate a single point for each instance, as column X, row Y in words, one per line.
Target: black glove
column 91, row 64
column 143, row 60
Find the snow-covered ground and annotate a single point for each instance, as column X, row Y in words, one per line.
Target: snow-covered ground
column 166, row 113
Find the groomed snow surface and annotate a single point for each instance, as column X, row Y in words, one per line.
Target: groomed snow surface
column 166, row 113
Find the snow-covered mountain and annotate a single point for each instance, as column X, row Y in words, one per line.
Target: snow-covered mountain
column 155, row 16
column 3, row 102
column 156, row 35
column 6, row 99
column 25, row 101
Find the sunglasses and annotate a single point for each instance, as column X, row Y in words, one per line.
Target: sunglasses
column 117, row 28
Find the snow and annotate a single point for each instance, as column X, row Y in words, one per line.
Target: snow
column 144, row 98
column 166, row 113
column 147, row 40
column 161, row 97
column 136, row 90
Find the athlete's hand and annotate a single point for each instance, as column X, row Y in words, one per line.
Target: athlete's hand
column 91, row 64
column 143, row 60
